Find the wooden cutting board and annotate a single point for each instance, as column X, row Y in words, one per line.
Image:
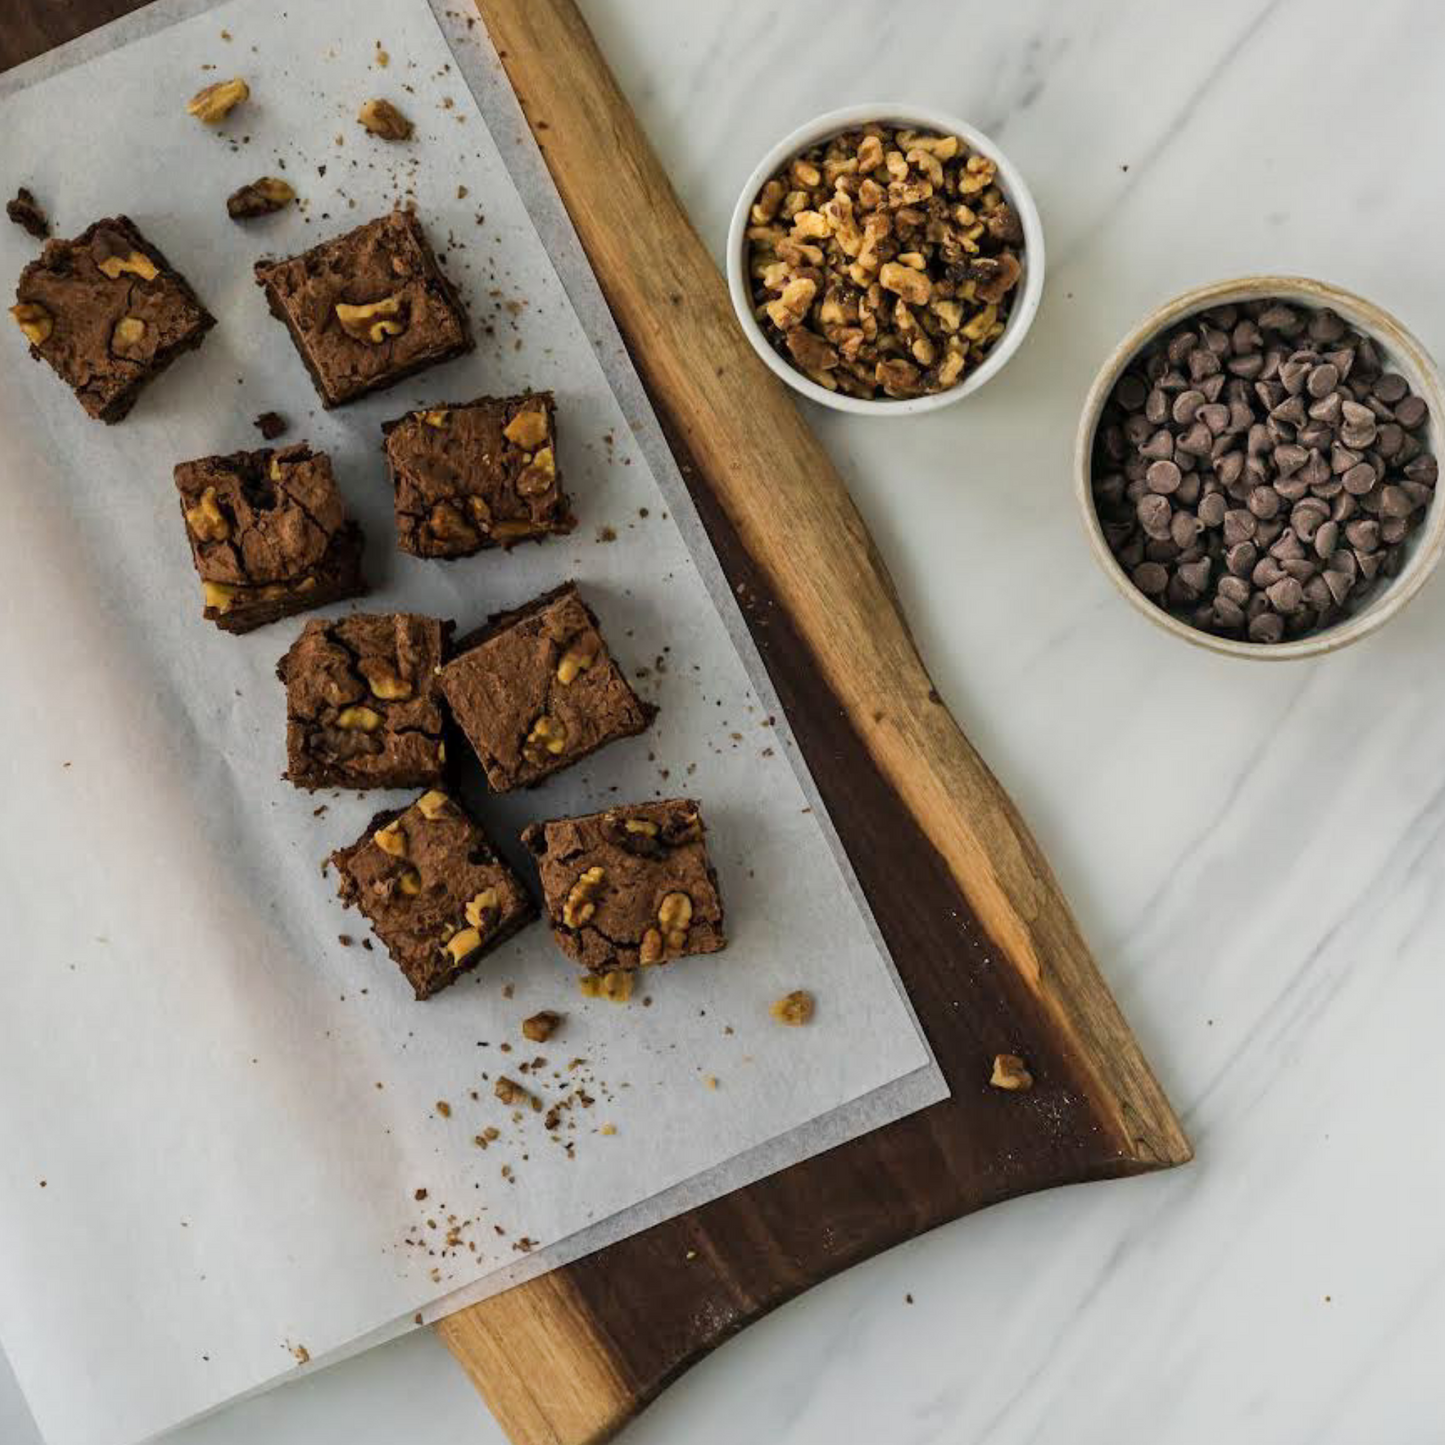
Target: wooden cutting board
column 984, row 940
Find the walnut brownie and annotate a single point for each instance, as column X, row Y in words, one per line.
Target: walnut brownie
column 108, row 313
column 629, row 886
column 269, row 535
column 433, row 889
column 535, row 690
column 362, row 707
column 476, row 474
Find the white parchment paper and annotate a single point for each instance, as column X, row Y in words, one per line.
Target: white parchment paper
column 221, row 1148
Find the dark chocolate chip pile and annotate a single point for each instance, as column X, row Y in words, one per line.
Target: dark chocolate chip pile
column 1257, row 470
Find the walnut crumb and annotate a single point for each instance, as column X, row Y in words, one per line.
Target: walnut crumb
column 1010, row 1073
column 444, row 1109
column 794, row 1009
column 541, row 1026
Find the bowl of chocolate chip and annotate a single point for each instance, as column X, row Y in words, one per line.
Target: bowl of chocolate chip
column 885, row 260
column 1256, row 465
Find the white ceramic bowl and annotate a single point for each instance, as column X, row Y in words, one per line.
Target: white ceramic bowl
column 1010, row 182
column 1402, row 353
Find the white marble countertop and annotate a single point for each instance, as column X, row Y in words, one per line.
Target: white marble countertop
column 1255, row 851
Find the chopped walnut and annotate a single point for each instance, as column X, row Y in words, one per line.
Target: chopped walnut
column 794, row 1009
column 884, row 262
column 1011, row 1073
column 541, row 1026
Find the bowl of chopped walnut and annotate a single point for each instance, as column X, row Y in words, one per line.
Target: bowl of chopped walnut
column 886, row 260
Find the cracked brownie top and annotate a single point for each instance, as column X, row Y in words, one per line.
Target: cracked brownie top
column 361, row 702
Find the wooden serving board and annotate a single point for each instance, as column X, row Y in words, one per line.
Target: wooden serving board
column 985, row 942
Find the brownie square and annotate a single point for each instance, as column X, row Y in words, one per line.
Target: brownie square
column 362, row 706
column 367, row 309
column 535, row 690
column 268, row 534
column 109, row 313
column 433, row 889
column 629, row 886
column 476, row 474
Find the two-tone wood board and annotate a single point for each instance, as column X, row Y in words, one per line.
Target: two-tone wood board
column 985, row 942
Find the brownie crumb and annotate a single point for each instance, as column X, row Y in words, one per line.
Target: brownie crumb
column 419, row 1195
column 270, row 424
column 26, row 213
column 444, row 1109
column 344, row 939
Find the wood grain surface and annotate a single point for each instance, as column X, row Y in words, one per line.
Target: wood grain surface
column 985, row 942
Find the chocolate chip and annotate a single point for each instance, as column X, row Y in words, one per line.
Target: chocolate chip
column 1411, row 412
column 1164, row 478
column 1151, row 578
column 1391, row 387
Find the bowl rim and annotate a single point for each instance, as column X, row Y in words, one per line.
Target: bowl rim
column 1406, row 353
column 1021, row 317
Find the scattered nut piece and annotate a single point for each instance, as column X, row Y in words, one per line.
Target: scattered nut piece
column 207, row 520
column 548, row 737
column 616, row 986
column 382, row 118
column 510, row 1092
column 26, row 213
column 263, row 197
column 34, row 320
column 528, row 429
column 216, row 102
column 1010, row 1072
column 581, row 901
column 541, row 1026
column 373, row 322
column 391, row 839
column 794, row 1009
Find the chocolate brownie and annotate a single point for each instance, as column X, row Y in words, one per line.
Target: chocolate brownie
column 629, row 886
column 109, row 313
column 476, row 474
column 362, row 709
column 433, row 889
column 535, row 690
column 268, row 534
column 368, row 308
